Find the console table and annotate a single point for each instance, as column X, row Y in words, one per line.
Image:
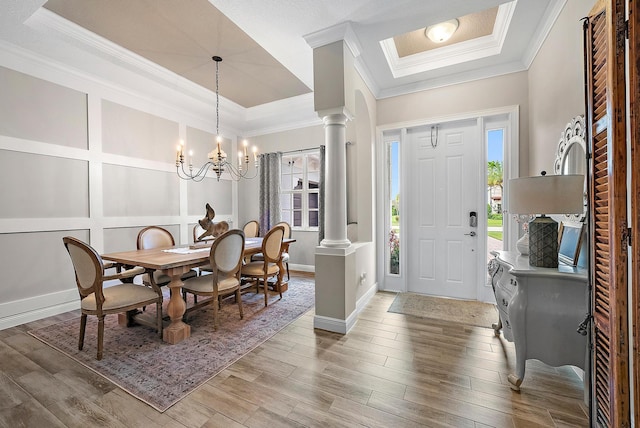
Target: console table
column 540, row 310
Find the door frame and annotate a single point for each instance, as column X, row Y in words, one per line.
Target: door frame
column 511, row 170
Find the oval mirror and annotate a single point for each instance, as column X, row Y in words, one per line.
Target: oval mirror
column 571, row 156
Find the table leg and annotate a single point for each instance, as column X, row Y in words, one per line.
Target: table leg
column 284, row 286
column 177, row 331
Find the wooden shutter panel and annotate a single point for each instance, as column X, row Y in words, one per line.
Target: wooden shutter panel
column 605, row 96
column 634, row 126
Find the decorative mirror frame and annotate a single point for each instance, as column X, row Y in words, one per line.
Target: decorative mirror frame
column 574, row 133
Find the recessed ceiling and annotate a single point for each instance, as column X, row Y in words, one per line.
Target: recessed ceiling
column 470, row 27
column 182, row 37
column 267, row 57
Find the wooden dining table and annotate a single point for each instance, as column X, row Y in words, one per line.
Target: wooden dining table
column 176, row 261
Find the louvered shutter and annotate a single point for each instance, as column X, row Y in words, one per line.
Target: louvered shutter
column 604, row 51
column 634, row 126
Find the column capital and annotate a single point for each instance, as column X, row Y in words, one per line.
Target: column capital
column 336, row 116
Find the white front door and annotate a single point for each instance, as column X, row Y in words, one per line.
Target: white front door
column 443, row 189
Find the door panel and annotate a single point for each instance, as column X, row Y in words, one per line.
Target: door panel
column 443, row 189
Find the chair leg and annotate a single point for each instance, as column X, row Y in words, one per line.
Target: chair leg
column 239, row 300
column 100, row 336
column 288, row 275
column 279, row 283
column 159, row 319
column 83, row 325
column 215, row 304
column 266, row 288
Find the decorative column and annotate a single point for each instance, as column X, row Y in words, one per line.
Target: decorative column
column 335, row 182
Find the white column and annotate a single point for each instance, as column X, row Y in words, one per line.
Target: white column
column 335, row 201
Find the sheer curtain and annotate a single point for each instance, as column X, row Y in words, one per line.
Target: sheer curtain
column 270, row 164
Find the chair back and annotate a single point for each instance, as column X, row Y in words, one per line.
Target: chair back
column 226, row 252
column 287, row 229
column 88, row 267
column 272, row 244
column 154, row 237
column 251, row 229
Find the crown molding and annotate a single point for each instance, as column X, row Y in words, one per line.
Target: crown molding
column 51, row 25
column 551, row 14
column 343, row 31
column 454, row 79
column 283, row 115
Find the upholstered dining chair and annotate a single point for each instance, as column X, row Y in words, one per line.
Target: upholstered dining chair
column 99, row 301
column 225, row 259
column 158, row 237
column 285, row 255
column 267, row 268
column 251, row 229
column 219, row 228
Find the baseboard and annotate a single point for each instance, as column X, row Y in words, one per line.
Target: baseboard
column 344, row 326
column 35, row 308
column 334, row 324
column 302, row 268
column 366, row 297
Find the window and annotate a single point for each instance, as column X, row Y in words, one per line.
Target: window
column 393, row 186
column 299, row 189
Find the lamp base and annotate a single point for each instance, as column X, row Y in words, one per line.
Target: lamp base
column 543, row 242
column 522, row 244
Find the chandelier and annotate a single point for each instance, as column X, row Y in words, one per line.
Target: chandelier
column 217, row 157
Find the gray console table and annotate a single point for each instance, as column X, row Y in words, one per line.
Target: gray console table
column 540, row 311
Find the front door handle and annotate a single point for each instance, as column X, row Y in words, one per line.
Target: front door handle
column 472, row 233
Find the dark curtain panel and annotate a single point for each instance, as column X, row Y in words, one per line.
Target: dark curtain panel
column 270, row 164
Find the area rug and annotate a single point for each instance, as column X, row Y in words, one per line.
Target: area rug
column 468, row 312
column 160, row 374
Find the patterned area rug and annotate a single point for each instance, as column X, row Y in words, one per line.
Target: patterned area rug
column 161, row 374
column 468, row 312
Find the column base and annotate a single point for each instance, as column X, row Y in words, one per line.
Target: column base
column 343, row 243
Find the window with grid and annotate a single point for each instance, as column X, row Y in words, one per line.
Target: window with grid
column 299, row 189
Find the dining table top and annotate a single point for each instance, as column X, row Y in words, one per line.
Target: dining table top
column 178, row 256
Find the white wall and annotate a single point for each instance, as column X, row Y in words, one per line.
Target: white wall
column 556, row 85
column 86, row 158
column 495, row 92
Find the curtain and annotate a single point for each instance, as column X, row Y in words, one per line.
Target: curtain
column 270, row 164
column 321, row 196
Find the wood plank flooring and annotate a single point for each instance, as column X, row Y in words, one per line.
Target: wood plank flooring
column 391, row 370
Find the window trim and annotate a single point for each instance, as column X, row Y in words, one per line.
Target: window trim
column 304, row 192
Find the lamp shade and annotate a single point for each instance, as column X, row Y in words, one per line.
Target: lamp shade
column 546, row 194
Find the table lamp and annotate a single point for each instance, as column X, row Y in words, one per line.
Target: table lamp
column 546, row 194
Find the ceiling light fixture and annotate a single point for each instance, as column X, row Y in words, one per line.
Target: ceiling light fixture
column 217, row 157
column 441, row 32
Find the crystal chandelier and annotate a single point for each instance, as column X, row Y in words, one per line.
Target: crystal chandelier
column 217, row 157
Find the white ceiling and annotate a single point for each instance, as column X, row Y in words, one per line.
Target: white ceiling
column 281, row 26
column 286, row 30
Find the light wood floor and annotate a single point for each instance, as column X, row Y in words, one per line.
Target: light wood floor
column 391, row 370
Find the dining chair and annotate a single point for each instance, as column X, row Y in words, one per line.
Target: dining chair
column 251, row 229
column 158, row 237
column 263, row 270
column 218, row 228
column 285, row 255
column 101, row 301
column 225, row 259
